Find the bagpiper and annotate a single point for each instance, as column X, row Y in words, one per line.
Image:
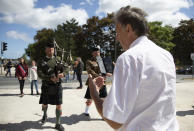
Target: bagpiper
column 51, row 89
column 95, row 68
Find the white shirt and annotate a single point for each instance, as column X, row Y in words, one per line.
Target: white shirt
column 33, row 73
column 142, row 97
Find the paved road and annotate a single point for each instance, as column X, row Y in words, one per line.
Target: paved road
column 11, row 82
column 21, row 114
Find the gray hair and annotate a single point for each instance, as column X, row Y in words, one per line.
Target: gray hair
column 79, row 59
column 133, row 16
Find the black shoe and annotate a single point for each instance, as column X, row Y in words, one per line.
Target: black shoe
column 79, row 87
column 37, row 93
column 59, row 127
column 86, row 114
column 31, row 93
column 44, row 118
column 22, row 94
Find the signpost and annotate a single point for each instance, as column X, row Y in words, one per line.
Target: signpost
column 192, row 58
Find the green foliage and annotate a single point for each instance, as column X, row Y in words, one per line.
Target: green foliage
column 36, row 50
column 184, row 40
column 162, row 36
column 64, row 36
column 97, row 32
column 80, row 39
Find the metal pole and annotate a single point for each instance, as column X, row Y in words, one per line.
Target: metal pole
column 1, row 57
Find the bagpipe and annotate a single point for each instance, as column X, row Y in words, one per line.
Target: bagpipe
column 105, row 64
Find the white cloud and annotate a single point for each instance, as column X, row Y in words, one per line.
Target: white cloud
column 89, row 2
column 18, row 35
column 167, row 11
column 82, row 3
column 16, row 6
column 24, row 12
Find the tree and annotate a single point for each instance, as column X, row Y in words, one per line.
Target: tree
column 184, row 41
column 97, row 32
column 36, row 50
column 65, row 34
column 162, row 36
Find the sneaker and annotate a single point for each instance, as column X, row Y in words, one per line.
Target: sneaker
column 44, row 118
column 59, row 127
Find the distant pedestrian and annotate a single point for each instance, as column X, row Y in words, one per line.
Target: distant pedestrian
column 67, row 74
column 33, row 77
column 8, row 68
column 79, row 69
column 21, row 74
column 74, row 69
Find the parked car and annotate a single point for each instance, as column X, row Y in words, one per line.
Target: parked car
column 184, row 70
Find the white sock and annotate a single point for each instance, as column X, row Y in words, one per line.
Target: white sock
column 87, row 109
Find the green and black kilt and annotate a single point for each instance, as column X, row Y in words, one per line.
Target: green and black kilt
column 51, row 94
column 102, row 93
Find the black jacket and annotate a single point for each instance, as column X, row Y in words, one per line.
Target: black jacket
column 80, row 68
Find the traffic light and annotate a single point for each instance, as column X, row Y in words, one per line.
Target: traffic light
column 4, row 46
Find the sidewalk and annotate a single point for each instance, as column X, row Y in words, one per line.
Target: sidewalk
column 21, row 114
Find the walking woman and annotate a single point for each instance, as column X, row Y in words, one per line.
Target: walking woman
column 33, row 77
column 21, row 74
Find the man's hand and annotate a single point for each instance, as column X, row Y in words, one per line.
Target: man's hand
column 97, row 82
column 108, row 74
column 19, row 78
column 24, row 78
column 60, row 75
column 95, row 85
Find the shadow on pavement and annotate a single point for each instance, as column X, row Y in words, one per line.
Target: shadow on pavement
column 73, row 119
column 25, row 125
column 9, row 95
column 66, row 88
column 184, row 113
column 18, row 95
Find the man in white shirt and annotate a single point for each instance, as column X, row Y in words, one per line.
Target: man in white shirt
column 142, row 96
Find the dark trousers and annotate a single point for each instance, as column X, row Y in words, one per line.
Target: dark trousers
column 79, row 78
column 21, row 85
column 8, row 72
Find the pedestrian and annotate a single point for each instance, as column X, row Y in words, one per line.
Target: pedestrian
column 142, row 96
column 21, row 74
column 33, row 77
column 51, row 89
column 93, row 68
column 8, row 68
column 67, row 74
column 74, row 69
column 79, row 69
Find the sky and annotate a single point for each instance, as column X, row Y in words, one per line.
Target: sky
column 21, row 19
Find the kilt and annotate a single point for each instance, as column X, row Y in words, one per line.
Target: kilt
column 102, row 93
column 51, row 94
